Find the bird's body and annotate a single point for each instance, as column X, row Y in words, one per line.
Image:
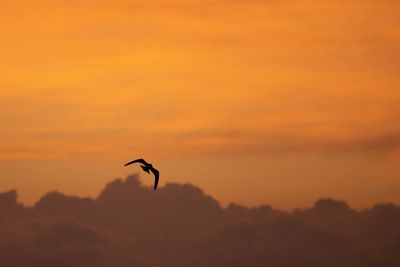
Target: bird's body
column 144, row 168
column 147, row 167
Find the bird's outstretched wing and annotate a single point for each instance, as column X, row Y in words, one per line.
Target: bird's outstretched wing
column 156, row 177
column 142, row 161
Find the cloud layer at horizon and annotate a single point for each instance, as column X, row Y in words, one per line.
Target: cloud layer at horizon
column 131, row 225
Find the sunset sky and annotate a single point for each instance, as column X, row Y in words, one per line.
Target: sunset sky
column 277, row 102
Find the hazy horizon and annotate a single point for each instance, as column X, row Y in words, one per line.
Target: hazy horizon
column 147, row 182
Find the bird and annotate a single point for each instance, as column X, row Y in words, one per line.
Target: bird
column 147, row 167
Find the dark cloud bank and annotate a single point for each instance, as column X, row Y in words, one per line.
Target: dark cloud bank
column 131, row 225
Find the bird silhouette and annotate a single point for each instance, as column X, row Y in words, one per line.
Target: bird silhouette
column 147, row 167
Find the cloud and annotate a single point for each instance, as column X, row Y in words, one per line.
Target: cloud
column 129, row 224
column 241, row 142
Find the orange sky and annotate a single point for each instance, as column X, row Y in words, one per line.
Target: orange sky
column 276, row 102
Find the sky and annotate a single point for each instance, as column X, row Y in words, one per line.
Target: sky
column 277, row 102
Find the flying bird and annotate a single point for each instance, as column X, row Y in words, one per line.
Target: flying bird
column 147, row 167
